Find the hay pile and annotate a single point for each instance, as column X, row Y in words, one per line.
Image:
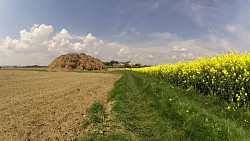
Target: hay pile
column 74, row 61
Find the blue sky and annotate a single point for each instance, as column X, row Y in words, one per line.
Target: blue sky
column 142, row 31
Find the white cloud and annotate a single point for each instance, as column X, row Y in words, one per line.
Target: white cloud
column 121, row 35
column 177, row 48
column 150, row 56
column 89, row 38
column 188, row 55
column 78, row 46
column 63, row 34
column 123, row 51
column 232, row 28
column 203, row 13
column 211, row 36
column 173, row 57
column 37, row 34
column 114, row 45
column 37, row 42
column 64, row 42
column 97, row 53
column 38, row 45
column 239, row 31
column 133, row 31
column 237, row 39
column 7, row 44
column 163, row 35
column 60, row 41
column 28, row 39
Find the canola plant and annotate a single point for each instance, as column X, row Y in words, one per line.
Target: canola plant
column 225, row 75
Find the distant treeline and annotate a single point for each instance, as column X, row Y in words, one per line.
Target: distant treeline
column 34, row 66
column 126, row 64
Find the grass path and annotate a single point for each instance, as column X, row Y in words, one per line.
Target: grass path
column 150, row 108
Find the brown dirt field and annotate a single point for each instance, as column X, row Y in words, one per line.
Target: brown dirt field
column 48, row 105
column 113, row 69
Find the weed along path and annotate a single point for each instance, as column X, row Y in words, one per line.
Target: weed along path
column 36, row 105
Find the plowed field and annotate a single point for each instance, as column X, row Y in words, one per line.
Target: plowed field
column 36, row 105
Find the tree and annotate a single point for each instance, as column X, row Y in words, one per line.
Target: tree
column 113, row 62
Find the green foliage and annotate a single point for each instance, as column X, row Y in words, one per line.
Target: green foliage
column 97, row 108
column 97, row 114
column 86, row 123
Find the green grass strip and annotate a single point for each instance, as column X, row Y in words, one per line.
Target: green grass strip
column 151, row 108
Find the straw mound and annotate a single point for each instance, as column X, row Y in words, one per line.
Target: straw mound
column 74, row 61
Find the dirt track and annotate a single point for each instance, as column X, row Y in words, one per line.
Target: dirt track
column 47, row 105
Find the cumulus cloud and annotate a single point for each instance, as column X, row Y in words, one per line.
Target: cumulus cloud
column 37, row 34
column 64, row 42
column 78, row 46
column 89, row 38
column 28, row 39
column 38, row 45
column 63, row 34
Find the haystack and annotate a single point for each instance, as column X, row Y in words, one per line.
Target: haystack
column 74, row 61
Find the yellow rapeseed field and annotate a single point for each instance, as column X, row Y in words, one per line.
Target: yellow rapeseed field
column 225, row 75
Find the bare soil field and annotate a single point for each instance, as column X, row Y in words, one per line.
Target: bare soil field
column 114, row 69
column 36, row 105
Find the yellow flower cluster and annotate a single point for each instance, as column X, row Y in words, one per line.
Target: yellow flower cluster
column 225, row 75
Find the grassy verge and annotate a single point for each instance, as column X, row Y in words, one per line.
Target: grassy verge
column 100, row 127
column 149, row 108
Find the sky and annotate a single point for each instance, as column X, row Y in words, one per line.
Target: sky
column 150, row 32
